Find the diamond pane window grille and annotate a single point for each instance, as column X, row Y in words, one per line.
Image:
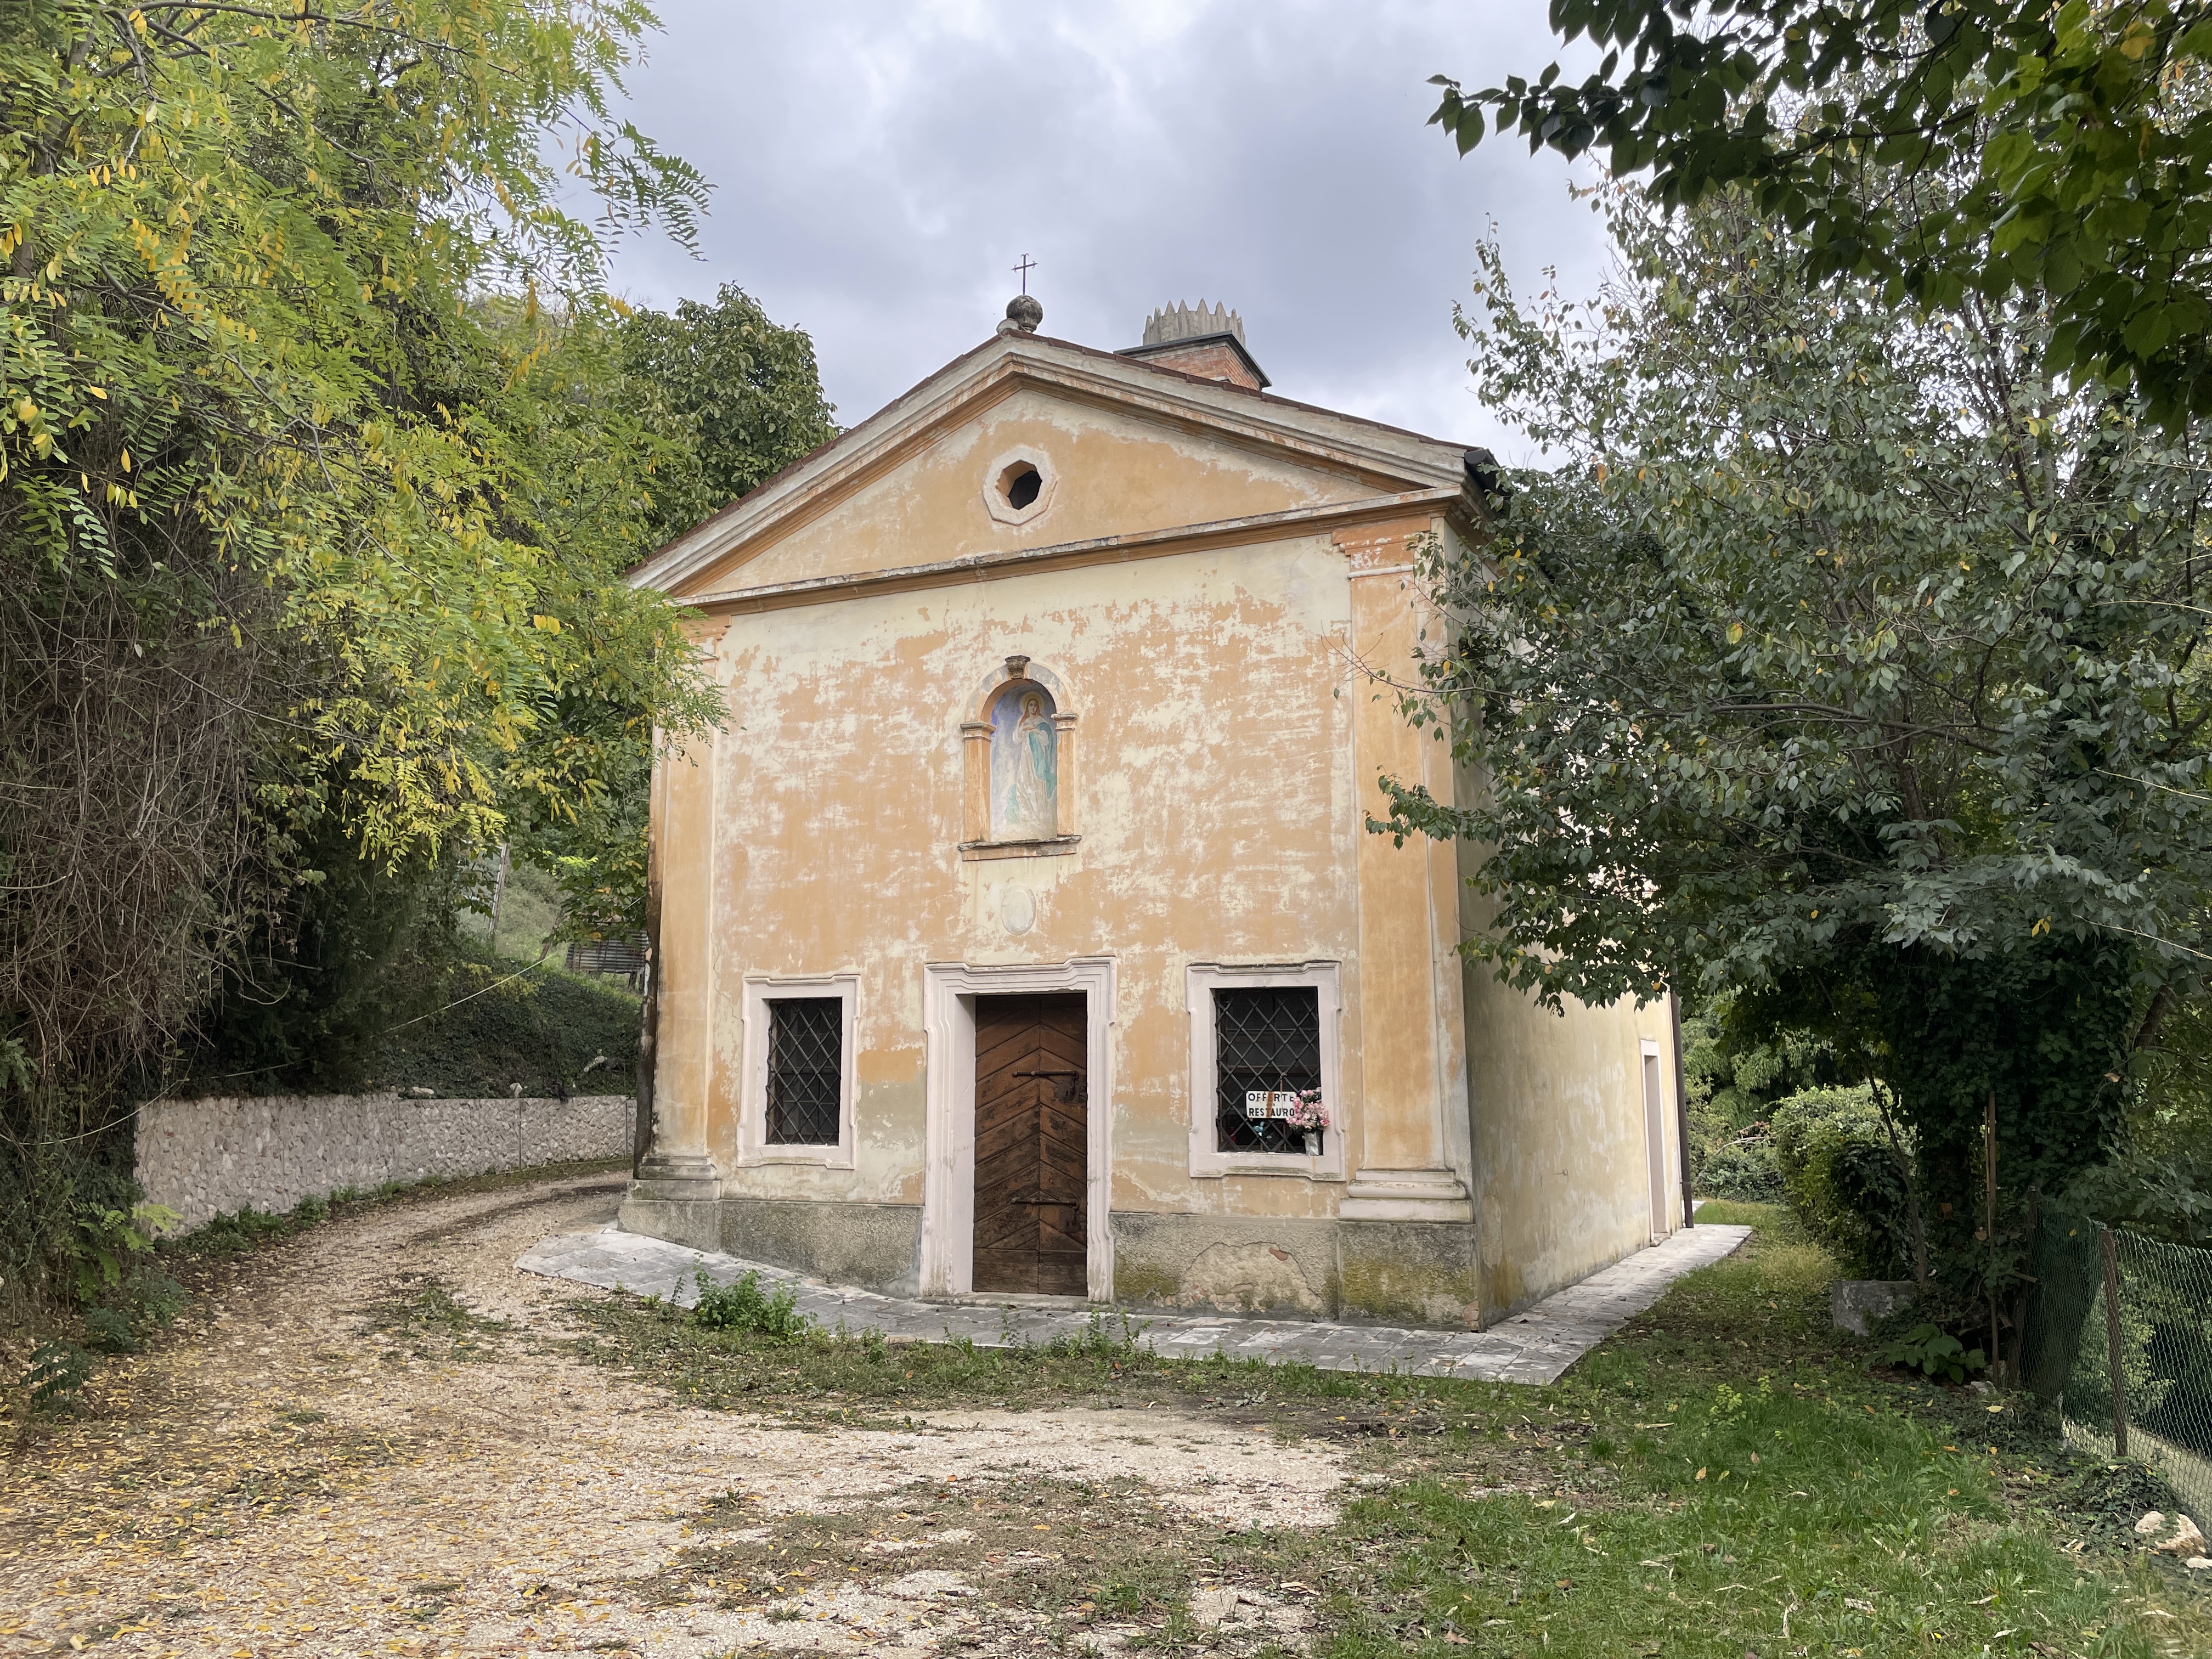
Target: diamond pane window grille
column 806, row 1051
column 1263, row 1038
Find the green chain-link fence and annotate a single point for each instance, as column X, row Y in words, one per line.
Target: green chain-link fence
column 2119, row 1338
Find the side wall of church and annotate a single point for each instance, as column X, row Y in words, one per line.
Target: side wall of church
column 1556, row 1117
column 1562, row 1176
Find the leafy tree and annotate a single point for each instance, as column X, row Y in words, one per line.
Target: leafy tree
column 2084, row 127
column 247, row 245
column 313, row 511
column 352, row 948
column 1735, row 1072
column 2160, row 1182
column 745, row 391
column 736, row 398
column 1847, row 660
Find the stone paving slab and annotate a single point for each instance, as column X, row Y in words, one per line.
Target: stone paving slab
column 1535, row 1345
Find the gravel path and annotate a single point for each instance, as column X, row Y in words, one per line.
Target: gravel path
column 288, row 1475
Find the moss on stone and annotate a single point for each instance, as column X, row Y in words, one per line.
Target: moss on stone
column 1395, row 1288
column 1145, row 1283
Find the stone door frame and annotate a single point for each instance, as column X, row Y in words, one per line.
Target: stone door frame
column 1651, row 1081
column 948, row 1179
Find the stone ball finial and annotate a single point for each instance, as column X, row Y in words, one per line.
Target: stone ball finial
column 1024, row 312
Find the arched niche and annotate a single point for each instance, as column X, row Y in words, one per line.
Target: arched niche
column 993, row 685
column 1018, row 753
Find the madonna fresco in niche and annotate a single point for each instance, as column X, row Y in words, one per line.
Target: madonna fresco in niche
column 1024, row 764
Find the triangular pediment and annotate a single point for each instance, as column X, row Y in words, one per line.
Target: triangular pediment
column 1121, row 449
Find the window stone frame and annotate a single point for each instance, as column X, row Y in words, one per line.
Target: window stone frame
column 1200, row 981
column 1003, row 511
column 754, row 1148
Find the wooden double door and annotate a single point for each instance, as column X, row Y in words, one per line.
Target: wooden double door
column 1032, row 1145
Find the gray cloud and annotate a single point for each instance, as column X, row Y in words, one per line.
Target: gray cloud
column 880, row 168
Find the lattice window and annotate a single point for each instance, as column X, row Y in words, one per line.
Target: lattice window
column 806, row 1051
column 1267, row 1040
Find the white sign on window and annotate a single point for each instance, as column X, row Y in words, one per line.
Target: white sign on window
column 1260, row 1103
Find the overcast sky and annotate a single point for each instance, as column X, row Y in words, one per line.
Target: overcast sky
column 879, row 168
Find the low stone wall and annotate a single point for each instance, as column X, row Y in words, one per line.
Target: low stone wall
column 202, row 1157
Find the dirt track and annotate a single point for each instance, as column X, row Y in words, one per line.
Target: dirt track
column 305, row 1467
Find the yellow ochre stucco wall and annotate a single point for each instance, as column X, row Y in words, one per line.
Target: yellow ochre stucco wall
column 1226, row 738
column 1561, row 1176
column 1215, row 823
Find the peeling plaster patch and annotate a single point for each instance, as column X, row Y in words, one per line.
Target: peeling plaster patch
column 1247, row 1279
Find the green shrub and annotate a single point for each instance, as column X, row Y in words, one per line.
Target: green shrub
column 108, row 1238
column 1743, row 1170
column 151, row 1297
column 50, row 1182
column 224, row 1233
column 110, row 1330
column 1934, row 1353
column 146, row 1299
column 743, row 1306
column 1841, row 1174
column 59, row 1370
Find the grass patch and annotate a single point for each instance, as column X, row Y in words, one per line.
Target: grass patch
column 1727, row 1475
column 423, row 1318
column 1776, row 1221
column 859, row 1378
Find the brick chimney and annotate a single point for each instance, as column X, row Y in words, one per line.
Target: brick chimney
column 1207, row 343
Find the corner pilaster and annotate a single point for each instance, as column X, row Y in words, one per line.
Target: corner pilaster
column 1413, row 1032
column 679, row 1169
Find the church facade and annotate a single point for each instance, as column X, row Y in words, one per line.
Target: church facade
column 1020, row 932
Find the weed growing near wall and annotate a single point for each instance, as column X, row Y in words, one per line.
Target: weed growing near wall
column 743, row 1306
